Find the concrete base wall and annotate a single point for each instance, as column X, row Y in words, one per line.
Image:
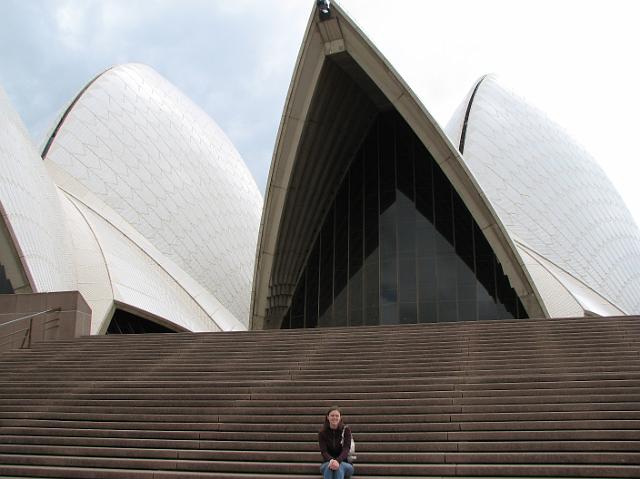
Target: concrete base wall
column 71, row 320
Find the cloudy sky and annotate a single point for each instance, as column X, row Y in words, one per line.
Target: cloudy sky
column 576, row 60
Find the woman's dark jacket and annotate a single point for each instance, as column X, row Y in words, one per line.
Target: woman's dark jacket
column 331, row 444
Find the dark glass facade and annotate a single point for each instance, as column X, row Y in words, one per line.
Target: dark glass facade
column 124, row 322
column 5, row 283
column 398, row 245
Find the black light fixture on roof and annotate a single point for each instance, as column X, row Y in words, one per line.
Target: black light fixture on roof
column 324, row 9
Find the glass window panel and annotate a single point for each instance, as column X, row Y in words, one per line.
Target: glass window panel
column 465, row 274
column 466, row 281
column 371, row 237
column 501, row 312
column 423, row 181
column 355, row 292
column 463, row 230
column 356, row 174
column 428, row 312
column 387, row 202
column 355, row 253
column 387, row 164
column 502, row 283
column 371, row 191
column 311, row 313
column 467, row 310
column 341, row 248
column 404, row 159
column 372, row 316
column 406, row 209
column 286, row 321
column 506, row 294
column 297, row 322
column 388, row 282
column 407, row 280
column 487, row 310
column 407, row 240
column 298, row 306
column 356, row 218
column 341, row 279
column 447, row 311
column 406, row 225
column 326, row 272
column 424, row 204
column 371, row 285
column 467, row 291
column 389, row 314
column 408, row 313
column 340, row 309
column 427, row 282
column 326, row 318
column 356, row 317
column 442, row 244
column 482, row 294
column 387, row 170
column 485, row 275
column 446, row 273
column 425, row 239
column 443, row 205
column 399, row 235
column 521, row 311
column 388, row 245
column 481, row 246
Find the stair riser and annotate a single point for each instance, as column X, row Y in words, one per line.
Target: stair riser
column 529, row 398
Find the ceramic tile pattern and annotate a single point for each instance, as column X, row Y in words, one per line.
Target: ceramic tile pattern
column 138, row 281
column 551, row 196
column 164, row 214
column 33, row 212
column 163, row 165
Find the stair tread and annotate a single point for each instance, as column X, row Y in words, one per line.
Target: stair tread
column 547, row 398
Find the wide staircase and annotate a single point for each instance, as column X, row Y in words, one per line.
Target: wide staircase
column 526, row 398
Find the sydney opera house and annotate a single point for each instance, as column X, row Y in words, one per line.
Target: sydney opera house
column 373, row 212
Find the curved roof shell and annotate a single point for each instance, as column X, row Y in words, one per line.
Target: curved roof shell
column 563, row 235
column 302, row 179
column 577, row 239
column 117, row 267
column 39, row 251
column 149, row 156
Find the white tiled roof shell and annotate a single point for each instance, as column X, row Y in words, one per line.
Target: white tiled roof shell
column 33, row 212
column 92, row 272
column 568, row 223
column 118, row 267
column 163, row 165
column 139, row 282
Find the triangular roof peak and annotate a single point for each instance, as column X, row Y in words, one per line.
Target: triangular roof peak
column 340, row 82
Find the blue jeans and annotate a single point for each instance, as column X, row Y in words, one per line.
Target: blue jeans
column 346, row 469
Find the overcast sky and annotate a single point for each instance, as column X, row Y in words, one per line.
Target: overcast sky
column 578, row 61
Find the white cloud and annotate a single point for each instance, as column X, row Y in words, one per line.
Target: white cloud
column 72, row 23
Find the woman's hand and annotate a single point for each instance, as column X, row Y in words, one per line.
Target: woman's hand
column 334, row 465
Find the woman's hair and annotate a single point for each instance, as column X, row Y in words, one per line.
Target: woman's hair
column 325, row 426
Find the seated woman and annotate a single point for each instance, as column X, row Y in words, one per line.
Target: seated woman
column 334, row 439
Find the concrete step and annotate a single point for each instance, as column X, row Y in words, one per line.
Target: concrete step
column 160, row 395
column 311, row 469
column 278, row 389
column 357, row 413
column 155, row 447
column 17, row 452
column 304, row 402
column 526, row 398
